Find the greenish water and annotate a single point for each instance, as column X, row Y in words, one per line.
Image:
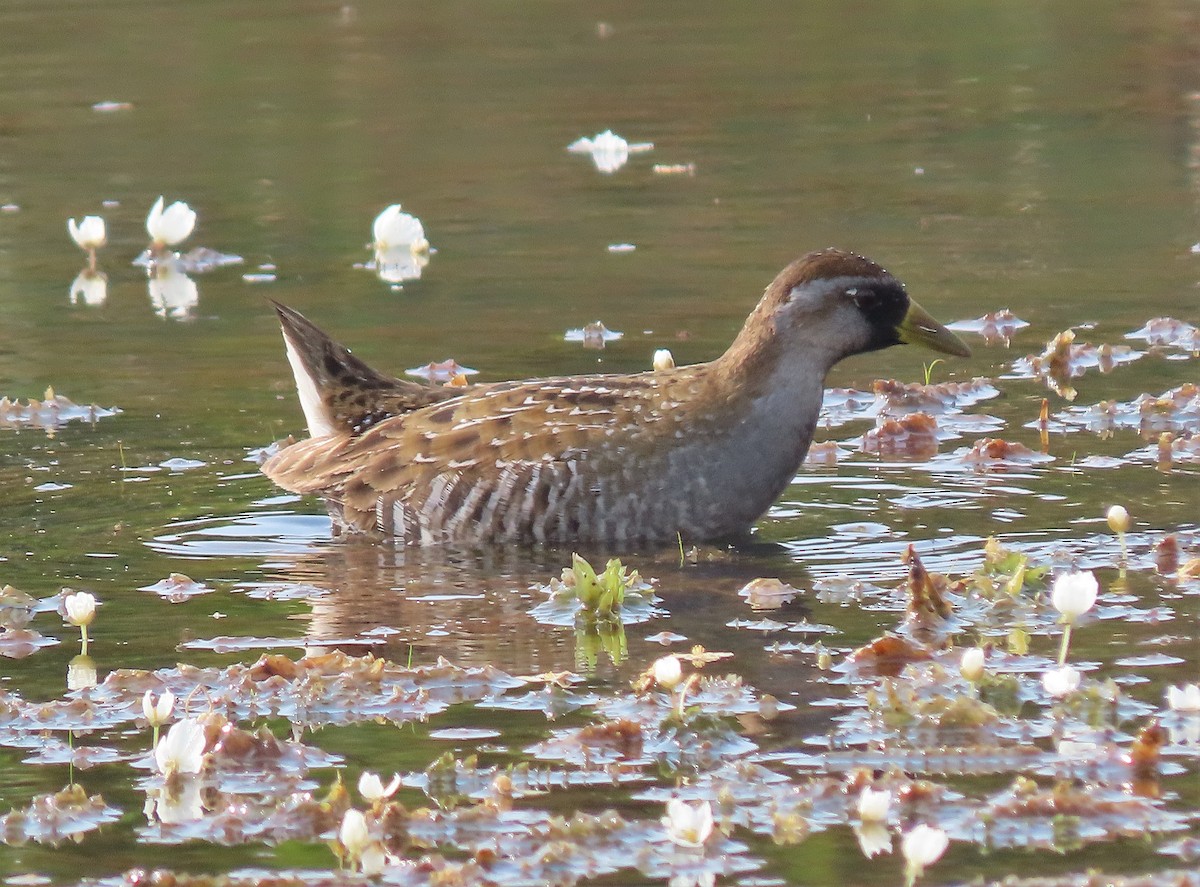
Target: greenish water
column 1044, row 158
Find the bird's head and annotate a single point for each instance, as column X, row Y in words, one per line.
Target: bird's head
column 844, row 304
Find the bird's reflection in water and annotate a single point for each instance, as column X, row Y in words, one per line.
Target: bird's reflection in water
column 473, row 607
column 470, row 606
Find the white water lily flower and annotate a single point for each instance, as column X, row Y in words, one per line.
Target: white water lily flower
column 971, row 664
column 182, row 749
column 371, row 787
column 1074, row 594
column 401, row 250
column 873, row 839
column 89, row 288
column 81, row 673
column 668, row 672
column 1185, row 698
column 873, row 805
column 169, row 226
column 688, row 825
column 353, row 833
column 395, row 229
column 923, row 846
column 158, row 712
column 89, row 233
column 80, row 607
column 609, row 151
column 663, row 360
column 1059, row 682
column 1118, row 519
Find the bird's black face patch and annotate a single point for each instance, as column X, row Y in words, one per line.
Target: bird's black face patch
column 883, row 303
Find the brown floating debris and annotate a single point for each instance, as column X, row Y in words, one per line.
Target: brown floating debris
column 996, row 326
column 913, row 436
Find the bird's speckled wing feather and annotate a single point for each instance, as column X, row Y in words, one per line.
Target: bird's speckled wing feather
column 520, row 460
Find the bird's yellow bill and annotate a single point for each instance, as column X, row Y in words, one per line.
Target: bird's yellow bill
column 919, row 328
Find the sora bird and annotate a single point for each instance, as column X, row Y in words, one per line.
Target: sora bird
column 696, row 451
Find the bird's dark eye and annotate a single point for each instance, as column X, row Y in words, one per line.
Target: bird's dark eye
column 864, row 298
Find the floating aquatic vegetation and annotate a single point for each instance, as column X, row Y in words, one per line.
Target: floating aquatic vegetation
column 912, row 436
column 50, row 413
column 201, row 260
column 891, row 398
column 767, row 594
column 1169, row 332
column 608, row 150
column 1176, row 410
column 445, row 371
column 177, row 588
column 51, row 819
column 594, row 335
column 996, row 326
column 988, row 454
column 1063, row 361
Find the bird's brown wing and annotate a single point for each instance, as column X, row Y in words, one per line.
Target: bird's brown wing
column 447, row 459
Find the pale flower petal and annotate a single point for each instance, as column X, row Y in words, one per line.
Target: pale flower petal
column 1118, row 519
column 170, row 226
column 371, row 787
column 353, row 833
column 80, row 607
column 971, row 666
column 89, row 234
column 81, row 673
column 182, row 749
column 688, row 825
column 873, row 805
column 668, row 672
column 663, row 360
column 158, row 712
column 923, row 846
column 1074, row 594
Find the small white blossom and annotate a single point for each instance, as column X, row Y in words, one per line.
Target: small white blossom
column 663, row 360
column 668, row 672
column 169, row 226
column 371, row 787
column 609, row 151
column 393, row 228
column 688, row 825
column 80, row 607
column 1074, row 594
column 1185, row 698
column 1118, row 519
column 182, row 749
column 353, row 834
column 158, row 712
column 89, row 233
column 873, row 805
column 1059, row 682
column 923, row 846
column 971, row 665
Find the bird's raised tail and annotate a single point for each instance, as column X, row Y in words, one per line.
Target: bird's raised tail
column 338, row 392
